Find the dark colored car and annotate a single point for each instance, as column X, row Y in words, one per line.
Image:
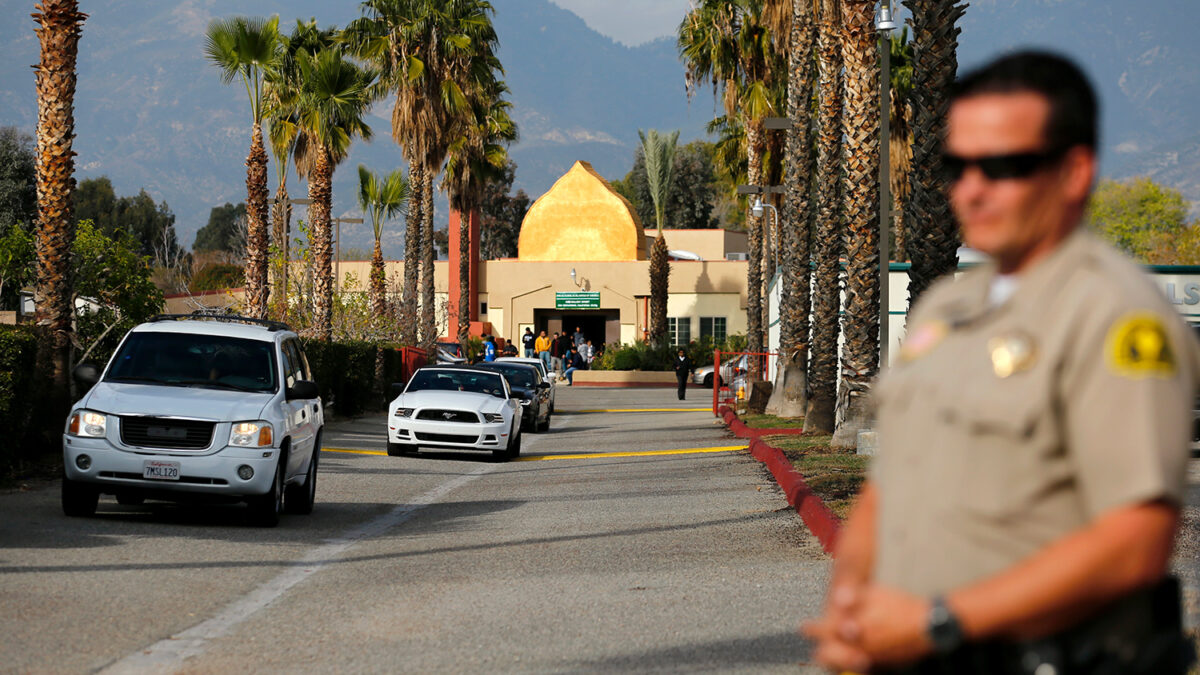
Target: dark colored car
column 529, row 388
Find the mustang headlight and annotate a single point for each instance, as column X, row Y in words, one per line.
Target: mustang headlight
column 251, row 434
column 493, row 418
column 87, row 424
column 403, row 412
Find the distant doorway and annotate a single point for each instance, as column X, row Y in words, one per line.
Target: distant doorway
column 601, row 326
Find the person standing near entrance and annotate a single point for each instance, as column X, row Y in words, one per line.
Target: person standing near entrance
column 556, row 354
column 542, row 345
column 683, row 371
column 579, row 338
column 489, row 348
column 1034, row 432
column 527, row 342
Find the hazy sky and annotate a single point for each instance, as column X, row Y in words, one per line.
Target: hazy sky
column 629, row 22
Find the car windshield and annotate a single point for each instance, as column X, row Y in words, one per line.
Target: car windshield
column 189, row 360
column 456, row 380
column 518, row 376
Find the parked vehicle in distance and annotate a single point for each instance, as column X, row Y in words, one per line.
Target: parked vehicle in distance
column 730, row 368
column 529, row 388
column 448, row 352
column 455, row 407
column 197, row 407
column 546, row 375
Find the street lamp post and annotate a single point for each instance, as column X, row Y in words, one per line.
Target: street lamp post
column 757, row 210
column 337, row 261
column 885, row 24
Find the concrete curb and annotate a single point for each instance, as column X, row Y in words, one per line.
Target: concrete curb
column 822, row 522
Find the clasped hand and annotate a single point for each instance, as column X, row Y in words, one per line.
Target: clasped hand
column 867, row 626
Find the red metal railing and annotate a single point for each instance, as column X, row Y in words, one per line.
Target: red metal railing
column 730, row 371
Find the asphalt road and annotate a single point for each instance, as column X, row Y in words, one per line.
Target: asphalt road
column 599, row 551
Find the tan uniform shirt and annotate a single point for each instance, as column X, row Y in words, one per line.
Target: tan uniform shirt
column 1004, row 428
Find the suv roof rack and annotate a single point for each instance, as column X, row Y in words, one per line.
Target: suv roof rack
column 231, row 318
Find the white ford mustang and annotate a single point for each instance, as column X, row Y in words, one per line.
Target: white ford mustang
column 455, row 407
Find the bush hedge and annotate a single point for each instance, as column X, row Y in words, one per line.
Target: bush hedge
column 642, row 356
column 18, row 352
column 345, row 374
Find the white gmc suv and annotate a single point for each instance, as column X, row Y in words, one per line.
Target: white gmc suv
column 197, row 407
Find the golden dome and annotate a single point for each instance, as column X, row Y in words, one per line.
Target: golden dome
column 581, row 218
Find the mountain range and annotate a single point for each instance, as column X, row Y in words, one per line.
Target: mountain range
column 152, row 113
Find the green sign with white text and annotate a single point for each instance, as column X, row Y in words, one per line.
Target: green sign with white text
column 577, row 300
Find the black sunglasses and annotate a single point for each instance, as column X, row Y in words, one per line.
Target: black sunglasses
column 999, row 167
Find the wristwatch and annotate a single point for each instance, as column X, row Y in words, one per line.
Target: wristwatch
column 943, row 628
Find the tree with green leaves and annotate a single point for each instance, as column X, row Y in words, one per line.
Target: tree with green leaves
column 692, row 198
column 16, row 264
column 381, row 198
column 151, row 225
column 1138, row 216
column 18, row 179
column 249, row 48
column 727, row 43
column 659, row 153
column 332, row 107
column 220, row 233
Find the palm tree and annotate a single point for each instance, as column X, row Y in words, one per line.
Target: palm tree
column 332, row 105
column 794, row 295
column 932, row 241
column 726, row 41
column 427, row 53
column 860, row 166
column 659, row 151
column 477, row 157
column 250, row 48
column 822, row 373
column 900, row 139
column 60, row 24
column 380, row 198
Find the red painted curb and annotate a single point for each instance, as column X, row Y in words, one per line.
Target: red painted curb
column 822, row 522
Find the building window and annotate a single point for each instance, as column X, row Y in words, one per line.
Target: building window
column 679, row 329
column 482, row 308
column 714, row 327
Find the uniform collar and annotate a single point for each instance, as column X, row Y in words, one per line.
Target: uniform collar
column 1033, row 283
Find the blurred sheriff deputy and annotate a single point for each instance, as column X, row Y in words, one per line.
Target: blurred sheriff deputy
column 1034, row 435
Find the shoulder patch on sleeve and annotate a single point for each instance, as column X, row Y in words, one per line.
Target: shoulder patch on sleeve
column 1137, row 346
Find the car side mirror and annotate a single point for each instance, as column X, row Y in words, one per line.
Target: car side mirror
column 544, row 385
column 395, row 390
column 86, row 374
column 302, row 389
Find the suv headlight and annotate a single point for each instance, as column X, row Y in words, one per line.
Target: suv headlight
column 403, row 412
column 251, row 434
column 493, row 418
column 87, row 424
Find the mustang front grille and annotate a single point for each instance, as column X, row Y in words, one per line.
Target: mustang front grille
column 448, row 415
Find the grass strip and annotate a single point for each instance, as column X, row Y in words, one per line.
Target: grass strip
column 771, row 421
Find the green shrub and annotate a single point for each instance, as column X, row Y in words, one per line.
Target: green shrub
column 345, row 374
column 217, row 276
column 18, row 352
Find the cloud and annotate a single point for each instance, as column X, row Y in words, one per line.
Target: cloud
column 630, row 22
column 191, row 17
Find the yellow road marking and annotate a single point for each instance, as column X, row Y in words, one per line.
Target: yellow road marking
column 612, row 410
column 591, row 455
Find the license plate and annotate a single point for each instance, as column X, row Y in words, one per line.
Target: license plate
column 159, row 470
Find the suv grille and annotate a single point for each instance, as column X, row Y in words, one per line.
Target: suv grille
column 448, row 415
column 157, row 432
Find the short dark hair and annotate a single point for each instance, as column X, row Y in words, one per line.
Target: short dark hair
column 1074, row 110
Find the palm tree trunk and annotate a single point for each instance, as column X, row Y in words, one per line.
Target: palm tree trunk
column 860, row 161
column 660, row 273
column 795, row 301
column 464, row 272
column 281, row 216
column 320, row 191
column 412, row 257
column 378, row 286
column 900, row 156
column 932, row 241
column 754, row 226
column 60, row 25
column 827, row 240
column 257, row 290
column 429, row 332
